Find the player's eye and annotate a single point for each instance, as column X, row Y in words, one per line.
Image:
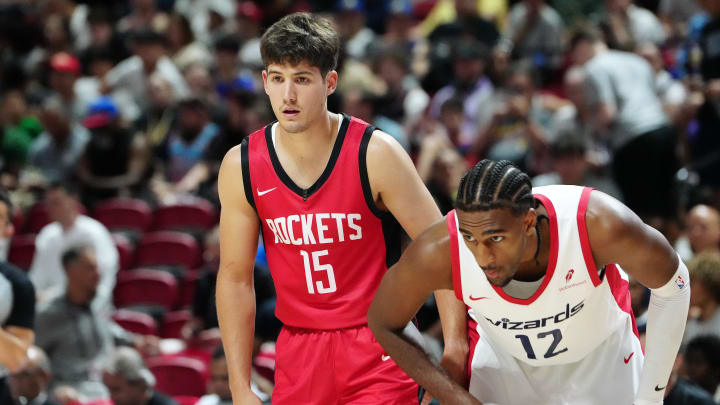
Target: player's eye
column 497, row 238
column 469, row 238
column 303, row 80
column 276, row 79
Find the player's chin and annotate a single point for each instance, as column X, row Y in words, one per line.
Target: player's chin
column 501, row 280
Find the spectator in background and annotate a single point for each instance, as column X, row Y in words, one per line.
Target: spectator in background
column 705, row 144
column 57, row 38
column 130, row 382
column 143, row 15
column 676, row 15
column 133, row 74
column 472, row 87
column 184, row 147
column 534, row 31
column 29, row 384
column 76, row 336
column 17, row 306
column 515, row 131
column 681, row 391
column 577, row 117
column 570, row 165
column 161, row 115
column 672, row 92
column 219, row 386
column 182, row 46
column 64, row 72
column 70, row 228
column 629, row 114
column 702, row 231
column 705, row 297
column 103, row 34
column 20, row 129
column 404, row 100
column 468, row 23
column 626, row 25
column 77, row 17
column 354, row 33
column 115, row 159
column 99, row 61
column 366, row 106
column 249, row 19
column 702, row 363
column 228, row 74
column 201, row 177
column 58, row 149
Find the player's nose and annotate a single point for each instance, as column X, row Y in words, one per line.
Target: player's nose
column 289, row 93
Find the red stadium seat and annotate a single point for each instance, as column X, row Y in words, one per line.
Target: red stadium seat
column 186, row 400
column 18, row 220
column 145, row 287
column 178, row 375
column 37, row 216
column 22, row 250
column 188, row 284
column 168, row 248
column 135, row 322
column 124, row 214
column 174, row 322
column 199, row 215
column 126, row 251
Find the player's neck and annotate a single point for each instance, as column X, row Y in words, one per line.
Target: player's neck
column 535, row 259
column 314, row 140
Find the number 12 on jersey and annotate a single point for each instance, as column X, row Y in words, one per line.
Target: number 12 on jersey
column 316, row 266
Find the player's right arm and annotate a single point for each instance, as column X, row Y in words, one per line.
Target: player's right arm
column 235, row 292
column 423, row 268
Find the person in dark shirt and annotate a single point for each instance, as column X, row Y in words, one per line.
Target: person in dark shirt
column 17, row 307
column 130, row 382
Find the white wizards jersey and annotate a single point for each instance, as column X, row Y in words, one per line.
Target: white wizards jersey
column 575, row 309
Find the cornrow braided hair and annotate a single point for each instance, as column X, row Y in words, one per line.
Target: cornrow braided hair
column 490, row 185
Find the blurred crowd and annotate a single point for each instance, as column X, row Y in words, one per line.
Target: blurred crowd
column 115, row 117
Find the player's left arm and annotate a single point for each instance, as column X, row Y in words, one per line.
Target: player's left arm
column 619, row 236
column 397, row 187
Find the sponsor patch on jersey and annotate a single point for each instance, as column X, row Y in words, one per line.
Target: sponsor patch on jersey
column 569, row 275
column 680, row 282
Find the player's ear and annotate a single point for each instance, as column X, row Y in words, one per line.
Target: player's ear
column 264, row 77
column 529, row 222
column 331, row 80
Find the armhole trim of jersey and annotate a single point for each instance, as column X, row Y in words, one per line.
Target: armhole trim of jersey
column 584, row 239
column 364, row 178
column 455, row 255
column 245, row 162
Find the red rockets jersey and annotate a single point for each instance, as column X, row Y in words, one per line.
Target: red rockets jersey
column 327, row 246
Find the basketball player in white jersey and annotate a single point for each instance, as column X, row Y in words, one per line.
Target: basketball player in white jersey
column 544, row 272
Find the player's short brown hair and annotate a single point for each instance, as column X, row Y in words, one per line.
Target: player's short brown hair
column 301, row 37
column 704, row 269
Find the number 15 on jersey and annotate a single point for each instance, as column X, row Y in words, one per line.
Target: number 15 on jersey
column 316, row 266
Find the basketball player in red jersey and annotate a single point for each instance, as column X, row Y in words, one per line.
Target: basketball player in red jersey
column 324, row 191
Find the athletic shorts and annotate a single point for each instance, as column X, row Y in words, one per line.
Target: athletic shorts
column 341, row 366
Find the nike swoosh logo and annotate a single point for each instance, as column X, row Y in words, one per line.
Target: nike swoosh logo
column 659, row 389
column 385, row 357
column 477, row 298
column 628, row 358
column 262, row 193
